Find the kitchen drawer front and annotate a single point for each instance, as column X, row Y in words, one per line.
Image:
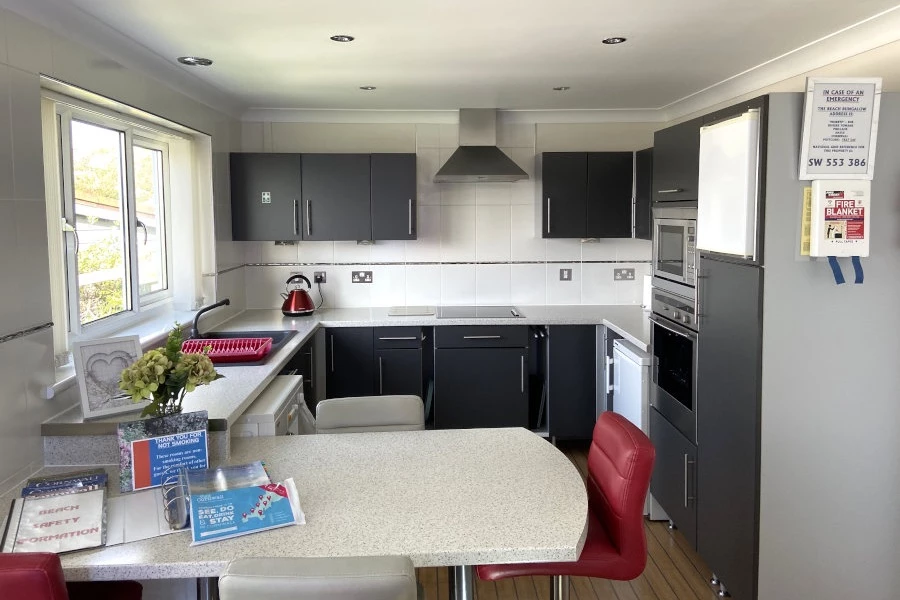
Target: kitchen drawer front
column 481, row 336
column 398, row 337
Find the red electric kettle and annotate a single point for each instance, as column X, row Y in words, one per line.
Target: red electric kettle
column 297, row 301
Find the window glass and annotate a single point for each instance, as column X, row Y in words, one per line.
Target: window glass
column 99, row 211
column 150, row 223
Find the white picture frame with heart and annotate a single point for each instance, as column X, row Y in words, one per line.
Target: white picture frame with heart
column 98, row 367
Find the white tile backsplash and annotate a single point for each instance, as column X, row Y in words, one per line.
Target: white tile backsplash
column 388, row 287
column 316, row 252
column 525, row 245
column 563, row 292
column 492, row 193
column 457, row 233
column 389, row 251
column 528, row 284
column 351, row 252
column 6, row 148
column 604, row 250
column 564, row 249
column 597, row 285
column 427, row 245
column 492, row 233
column 492, row 284
column 457, row 284
column 457, row 193
column 340, row 291
column 27, row 141
column 428, row 135
column 423, row 285
column 448, row 135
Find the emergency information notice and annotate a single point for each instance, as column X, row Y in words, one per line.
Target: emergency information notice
column 61, row 523
column 839, row 128
column 845, row 219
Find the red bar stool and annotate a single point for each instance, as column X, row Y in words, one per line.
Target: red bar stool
column 39, row 576
column 620, row 462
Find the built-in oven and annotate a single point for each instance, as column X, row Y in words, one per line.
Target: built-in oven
column 674, row 245
column 673, row 341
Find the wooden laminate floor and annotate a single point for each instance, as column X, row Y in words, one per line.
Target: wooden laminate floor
column 674, row 571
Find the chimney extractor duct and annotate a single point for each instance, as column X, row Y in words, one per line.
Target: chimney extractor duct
column 478, row 159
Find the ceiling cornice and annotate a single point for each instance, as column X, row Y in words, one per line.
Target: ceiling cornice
column 70, row 22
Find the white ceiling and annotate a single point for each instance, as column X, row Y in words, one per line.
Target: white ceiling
column 424, row 54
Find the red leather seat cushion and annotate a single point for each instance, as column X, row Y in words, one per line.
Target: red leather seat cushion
column 104, row 590
column 32, row 576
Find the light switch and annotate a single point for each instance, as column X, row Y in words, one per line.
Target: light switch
column 565, row 274
column 267, row 197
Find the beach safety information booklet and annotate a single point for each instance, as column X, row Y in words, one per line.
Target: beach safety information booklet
column 61, row 523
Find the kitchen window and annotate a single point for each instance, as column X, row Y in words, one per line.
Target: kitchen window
column 129, row 217
column 114, row 192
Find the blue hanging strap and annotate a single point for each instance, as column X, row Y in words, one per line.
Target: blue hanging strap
column 836, row 269
column 857, row 268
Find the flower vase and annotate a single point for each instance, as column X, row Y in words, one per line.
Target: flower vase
column 165, row 403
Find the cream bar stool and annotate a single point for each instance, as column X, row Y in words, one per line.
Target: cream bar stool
column 370, row 413
column 353, row 578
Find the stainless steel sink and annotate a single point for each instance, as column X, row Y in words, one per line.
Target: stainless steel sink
column 279, row 339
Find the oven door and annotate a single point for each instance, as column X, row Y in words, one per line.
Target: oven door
column 673, row 250
column 674, row 389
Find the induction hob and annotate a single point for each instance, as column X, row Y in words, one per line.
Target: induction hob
column 478, row 312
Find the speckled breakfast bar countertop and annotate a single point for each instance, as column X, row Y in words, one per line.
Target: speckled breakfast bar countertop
column 451, row 497
column 226, row 399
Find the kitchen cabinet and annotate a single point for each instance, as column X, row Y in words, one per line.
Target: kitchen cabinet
column 393, row 196
column 350, row 360
column 564, row 194
column 336, row 204
column 609, row 194
column 480, row 377
column 398, row 360
column 366, row 361
column 571, row 380
column 643, row 194
column 728, row 421
column 304, row 363
column 676, row 162
column 587, row 194
column 674, row 478
column 265, row 196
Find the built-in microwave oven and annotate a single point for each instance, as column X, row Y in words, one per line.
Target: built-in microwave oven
column 674, row 245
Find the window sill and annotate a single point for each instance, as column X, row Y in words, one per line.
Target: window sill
column 152, row 331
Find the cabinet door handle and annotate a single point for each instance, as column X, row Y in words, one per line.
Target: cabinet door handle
column 671, row 191
column 380, row 377
column 397, row 339
column 548, row 214
column 332, row 354
column 687, row 497
column 482, row 337
column 410, row 216
column 312, row 367
column 296, row 211
column 609, row 374
column 308, row 218
column 522, row 373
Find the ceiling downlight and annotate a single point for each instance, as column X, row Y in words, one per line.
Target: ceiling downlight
column 562, row 88
column 367, row 88
column 343, row 38
column 615, row 40
column 195, row 61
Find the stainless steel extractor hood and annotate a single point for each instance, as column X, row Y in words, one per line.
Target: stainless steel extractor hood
column 478, row 159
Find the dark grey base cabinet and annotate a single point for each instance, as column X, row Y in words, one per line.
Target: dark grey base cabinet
column 480, row 387
column 571, row 380
column 674, row 475
column 350, row 362
column 265, row 197
column 728, row 421
column 481, row 377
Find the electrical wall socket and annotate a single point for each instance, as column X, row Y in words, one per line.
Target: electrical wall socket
column 361, row 276
column 565, row 274
column 319, row 277
column 623, row 274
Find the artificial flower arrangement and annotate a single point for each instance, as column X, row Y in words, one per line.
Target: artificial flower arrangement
column 165, row 375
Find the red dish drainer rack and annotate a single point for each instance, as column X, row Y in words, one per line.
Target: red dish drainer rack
column 230, row 350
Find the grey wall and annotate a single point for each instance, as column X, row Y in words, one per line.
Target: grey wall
column 830, row 473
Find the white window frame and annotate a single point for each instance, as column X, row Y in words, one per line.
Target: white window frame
column 136, row 132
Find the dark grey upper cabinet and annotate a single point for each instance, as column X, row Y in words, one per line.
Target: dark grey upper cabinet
column 676, row 162
column 643, row 194
column 349, row 362
column 728, row 421
column 336, row 202
column 675, row 475
column 265, row 196
column 393, row 196
column 564, row 194
column 610, row 185
column 571, row 391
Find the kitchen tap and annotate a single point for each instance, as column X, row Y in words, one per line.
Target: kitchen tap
column 195, row 331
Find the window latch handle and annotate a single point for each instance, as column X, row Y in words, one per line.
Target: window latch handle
column 69, row 229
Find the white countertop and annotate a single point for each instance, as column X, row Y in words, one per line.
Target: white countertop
column 226, row 399
column 452, row 497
